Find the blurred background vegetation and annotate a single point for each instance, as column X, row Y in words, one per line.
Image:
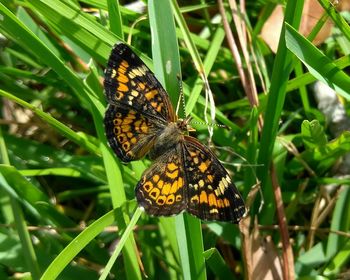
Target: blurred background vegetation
column 288, row 136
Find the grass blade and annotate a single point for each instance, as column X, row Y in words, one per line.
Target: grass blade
column 318, row 64
column 78, row 244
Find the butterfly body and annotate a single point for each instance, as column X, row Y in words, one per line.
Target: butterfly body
column 140, row 120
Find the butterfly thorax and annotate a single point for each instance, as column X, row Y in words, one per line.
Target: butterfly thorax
column 169, row 137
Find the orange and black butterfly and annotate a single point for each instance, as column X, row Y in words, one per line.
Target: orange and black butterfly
column 140, row 120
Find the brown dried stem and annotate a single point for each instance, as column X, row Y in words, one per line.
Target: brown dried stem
column 288, row 258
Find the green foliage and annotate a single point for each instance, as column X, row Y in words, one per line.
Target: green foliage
column 67, row 204
column 313, row 134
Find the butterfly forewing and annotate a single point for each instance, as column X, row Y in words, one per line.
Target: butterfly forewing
column 129, row 82
column 210, row 192
column 139, row 107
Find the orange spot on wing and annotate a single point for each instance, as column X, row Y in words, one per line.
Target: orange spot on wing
column 174, row 187
column 226, row 202
column 154, row 104
column 160, row 184
column 194, row 199
column 151, row 94
column 122, row 78
column 128, row 121
column 180, row 182
column 203, row 167
column 166, row 189
column 193, row 154
column 220, row 203
column 122, row 69
column 125, row 128
column 172, row 175
column 159, row 107
column 144, row 128
column 126, row 146
column 142, row 86
column 137, row 124
column 212, row 200
column 155, row 178
column 203, row 198
column 172, row 166
column 122, row 88
column 124, row 63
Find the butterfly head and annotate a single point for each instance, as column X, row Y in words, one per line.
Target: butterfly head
column 184, row 124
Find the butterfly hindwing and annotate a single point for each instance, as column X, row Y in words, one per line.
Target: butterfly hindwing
column 129, row 133
column 129, row 82
column 162, row 190
column 211, row 194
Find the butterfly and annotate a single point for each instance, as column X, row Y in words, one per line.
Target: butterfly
column 140, row 120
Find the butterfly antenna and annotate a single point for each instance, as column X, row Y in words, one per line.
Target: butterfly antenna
column 183, row 103
column 181, row 98
column 210, row 124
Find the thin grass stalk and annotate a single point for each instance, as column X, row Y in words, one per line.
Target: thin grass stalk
column 21, row 226
column 240, row 25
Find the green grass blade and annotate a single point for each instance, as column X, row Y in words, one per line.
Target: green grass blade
column 63, row 129
column 121, row 243
column 307, row 78
column 24, row 235
column 95, row 46
column 75, row 15
column 115, row 19
column 21, row 226
column 208, row 62
column 340, row 222
column 17, row 31
column 319, row 65
column 281, row 71
column 339, row 262
column 217, row 264
column 165, row 48
column 78, row 244
column 336, row 17
column 189, row 236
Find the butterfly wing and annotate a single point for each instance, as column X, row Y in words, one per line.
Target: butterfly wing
column 139, row 108
column 190, row 177
column 130, row 134
column 129, row 82
column 211, row 194
column 161, row 190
